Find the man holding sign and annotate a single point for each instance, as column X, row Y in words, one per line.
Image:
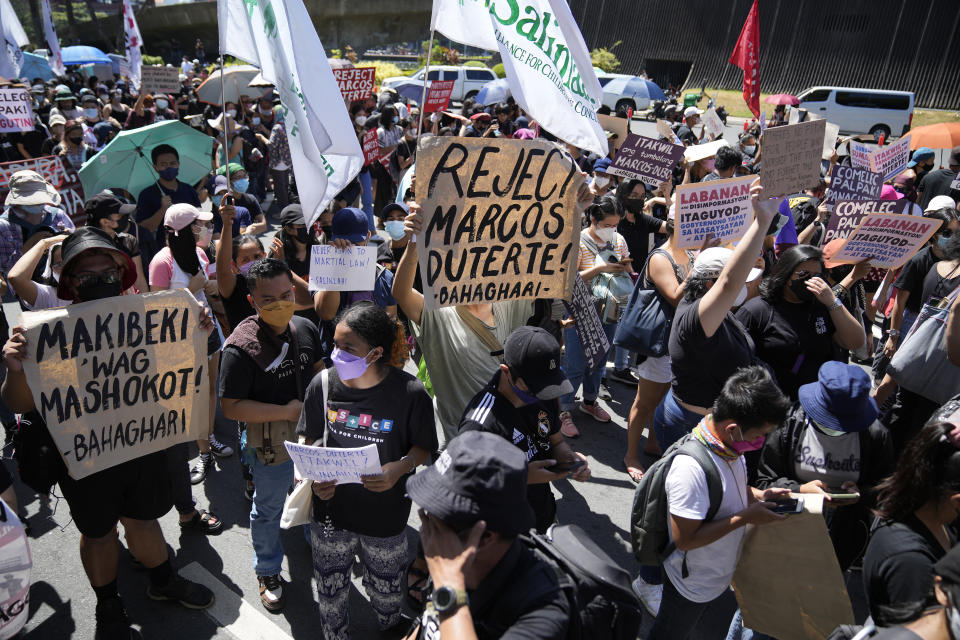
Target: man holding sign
column 134, row 491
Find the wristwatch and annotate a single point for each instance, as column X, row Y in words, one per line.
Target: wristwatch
column 446, row 600
column 893, row 333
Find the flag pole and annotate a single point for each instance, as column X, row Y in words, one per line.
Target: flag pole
column 223, row 124
column 423, row 94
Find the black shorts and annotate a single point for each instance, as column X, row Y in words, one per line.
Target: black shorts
column 138, row 489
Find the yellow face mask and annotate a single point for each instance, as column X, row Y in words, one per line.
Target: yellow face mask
column 277, row 314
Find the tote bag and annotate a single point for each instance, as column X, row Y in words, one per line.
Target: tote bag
column 645, row 324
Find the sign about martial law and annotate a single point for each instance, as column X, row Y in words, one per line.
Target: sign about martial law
column 351, row 269
column 646, row 159
column 355, row 83
column 887, row 240
column 848, row 214
column 500, row 220
column 720, row 207
column 118, row 381
column 791, row 157
column 852, row 183
column 16, row 110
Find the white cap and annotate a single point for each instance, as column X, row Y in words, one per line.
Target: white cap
column 710, row 263
column 691, row 111
column 940, row 202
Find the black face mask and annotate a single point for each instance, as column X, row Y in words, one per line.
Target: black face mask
column 77, row 141
column 104, row 285
column 303, row 235
column 633, row 205
column 799, row 288
column 327, row 231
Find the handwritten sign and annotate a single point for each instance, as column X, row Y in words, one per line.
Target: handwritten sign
column 830, row 141
column 438, row 95
column 332, row 269
column 58, row 173
column 646, row 159
column 371, row 147
column 16, row 110
column 850, row 183
column 720, row 207
column 956, row 181
column 706, row 150
column 791, row 157
column 356, row 83
column 860, row 155
column 323, row 464
column 887, row 240
column 156, row 79
column 119, row 379
column 891, row 160
column 17, row 563
column 848, row 214
column 500, row 220
column 590, row 330
column 712, row 123
column 619, row 126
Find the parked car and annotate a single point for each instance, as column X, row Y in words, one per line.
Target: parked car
column 623, row 91
column 861, row 110
column 469, row 80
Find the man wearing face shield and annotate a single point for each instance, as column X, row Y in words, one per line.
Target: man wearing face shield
column 128, row 493
column 31, row 211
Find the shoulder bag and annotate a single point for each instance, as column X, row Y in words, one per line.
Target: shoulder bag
column 645, row 324
column 611, row 291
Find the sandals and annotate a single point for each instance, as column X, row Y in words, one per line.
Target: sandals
column 418, row 584
column 635, row 473
column 203, row 522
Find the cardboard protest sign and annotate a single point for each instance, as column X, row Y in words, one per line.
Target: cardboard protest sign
column 665, row 130
column 646, row 159
column 850, row 183
column 806, row 601
column 438, row 95
column 830, row 140
column 791, row 157
column 323, row 464
column 860, row 154
column 156, row 79
column 332, row 269
column 619, row 126
column 371, row 147
column 58, row 173
column 712, row 123
column 500, row 220
column 16, row 110
column 590, row 330
column 356, row 83
column 117, row 380
column 706, row 150
column 887, row 240
column 720, row 207
column 17, row 563
column 891, row 160
column 848, row 214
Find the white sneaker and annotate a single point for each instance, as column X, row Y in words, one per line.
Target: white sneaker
column 649, row 594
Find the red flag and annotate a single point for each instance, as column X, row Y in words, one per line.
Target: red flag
column 746, row 55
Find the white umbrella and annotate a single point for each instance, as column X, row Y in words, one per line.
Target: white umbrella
column 260, row 81
column 236, row 82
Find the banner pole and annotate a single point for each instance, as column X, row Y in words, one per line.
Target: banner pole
column 223, row 124
column 423, row 94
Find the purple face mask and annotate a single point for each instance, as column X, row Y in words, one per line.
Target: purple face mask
column 743, row 446
column 245, row 269
column 348, row 366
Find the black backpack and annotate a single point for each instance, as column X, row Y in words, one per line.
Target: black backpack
column 597, row 588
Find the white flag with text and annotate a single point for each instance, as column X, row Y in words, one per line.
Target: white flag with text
column 14, row 37
column 53, row 42
column 278, row 37
column 131, row 31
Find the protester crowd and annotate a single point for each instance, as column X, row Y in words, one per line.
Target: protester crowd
column 762, row 374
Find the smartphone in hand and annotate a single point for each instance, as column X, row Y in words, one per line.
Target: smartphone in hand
column 788, row 506
column 562, row 467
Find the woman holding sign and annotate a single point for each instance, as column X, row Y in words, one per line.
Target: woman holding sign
column 365, row 399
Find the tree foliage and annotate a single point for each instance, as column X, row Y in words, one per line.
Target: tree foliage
column 604, row 58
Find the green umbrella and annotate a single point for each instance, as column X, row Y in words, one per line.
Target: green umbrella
column 125, row 163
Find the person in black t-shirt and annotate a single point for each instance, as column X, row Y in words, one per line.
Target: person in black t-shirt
column 266, row 364
column 691, row 117
column 520, row 405
column 239, row 183
column 937, row 182
column 365, row 399
column 153, row 201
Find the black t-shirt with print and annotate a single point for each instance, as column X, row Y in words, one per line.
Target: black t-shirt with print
column 395, row 415
column 912, row 275
column 529, row 428
column 794, row 339
column 938, row 286
column 242, row 379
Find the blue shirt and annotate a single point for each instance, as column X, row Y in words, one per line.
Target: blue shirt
column 242, row 220
column 149, row 202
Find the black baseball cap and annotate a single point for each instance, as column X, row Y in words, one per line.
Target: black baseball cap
column 87, row 239
column 103, row 205
column 534, row 356
column 394, row 206
column 480, row 476
column 292, row 214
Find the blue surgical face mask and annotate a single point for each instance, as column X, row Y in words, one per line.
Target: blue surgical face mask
column 395, row 229
column 255, row 121
column 750, row 149
column 396, row 119
column 217, row 199
column 170, row 173
column 240, row 186
column 943, row 241
column 33, row 209
column 91, row 114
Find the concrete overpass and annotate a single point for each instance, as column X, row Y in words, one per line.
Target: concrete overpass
column 362, row 24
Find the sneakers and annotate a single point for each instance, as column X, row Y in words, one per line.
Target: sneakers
column 622, row 375
column 219, row 449
column 649, row 594
column 112, row 622
column 567, row 427
column 189, row 594
column 199, row 473
column 271, row 592
column 595, row 411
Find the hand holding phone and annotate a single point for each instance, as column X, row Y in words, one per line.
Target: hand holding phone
column 564, row 467
column 788, row 506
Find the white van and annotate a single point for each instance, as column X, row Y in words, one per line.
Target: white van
column 469, row 80
column 861, row 110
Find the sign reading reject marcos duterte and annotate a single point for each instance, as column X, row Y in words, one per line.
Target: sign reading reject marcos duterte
column 500, row 220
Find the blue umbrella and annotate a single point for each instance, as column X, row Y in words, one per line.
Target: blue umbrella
column 635, row 87
column 36, row 66
column 83, row 54
column 494, row 91
column 409, row 89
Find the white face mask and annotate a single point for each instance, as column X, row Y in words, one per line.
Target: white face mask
column 750, row 149
column 232, row 113
column 162, row 104
column 607, row 234
column 601, row 181
column 91, row 114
